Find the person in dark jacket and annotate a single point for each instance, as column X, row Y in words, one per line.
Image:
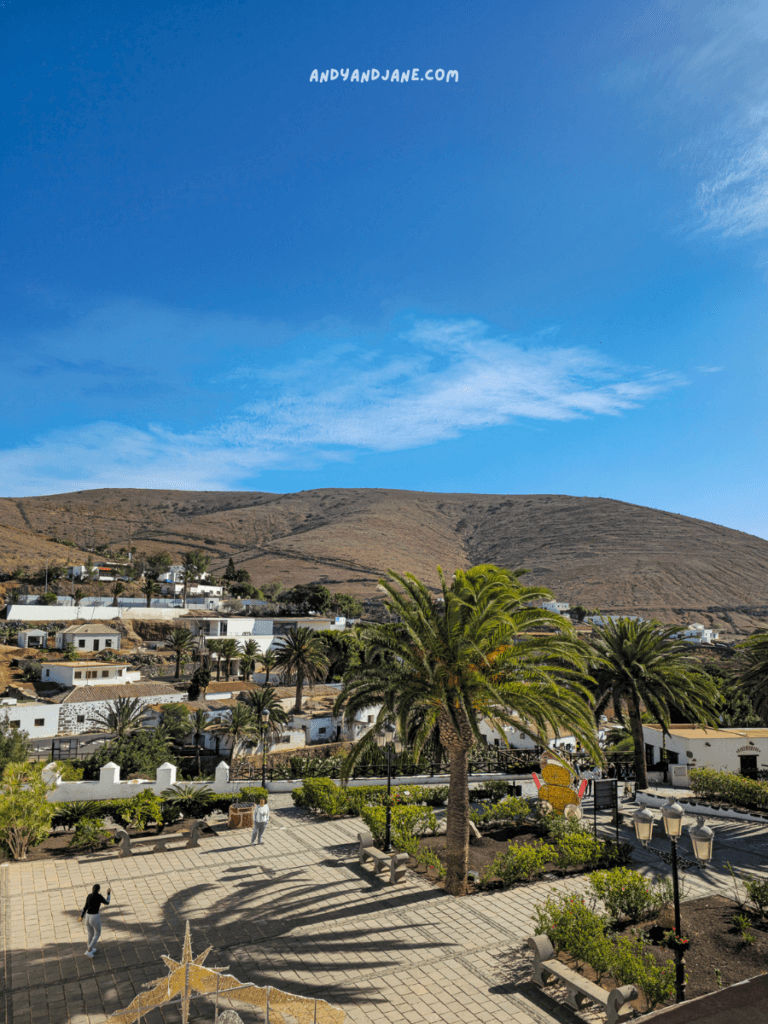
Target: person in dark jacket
column 90, row 912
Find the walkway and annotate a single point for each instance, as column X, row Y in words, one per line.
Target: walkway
column 297, row 913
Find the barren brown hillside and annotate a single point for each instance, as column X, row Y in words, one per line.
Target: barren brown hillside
column 595, row 551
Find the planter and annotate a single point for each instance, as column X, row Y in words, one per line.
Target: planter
column 240, row 816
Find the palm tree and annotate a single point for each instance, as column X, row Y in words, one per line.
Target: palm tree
column 199, row 723
column 302, row 656
column 200, row 681
column 77, row 597
column 238, row 724
column 181, row 642
column 268, row 661
column 754, row 676
column 117, row 589
column 263, row 700
column 638, row 663
column 124, row 716
column 214, row 647
column 449, row 661
column 229, row 650
column 248, row 658
column 150, row 588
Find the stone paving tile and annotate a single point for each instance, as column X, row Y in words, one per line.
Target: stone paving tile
column 298, row 913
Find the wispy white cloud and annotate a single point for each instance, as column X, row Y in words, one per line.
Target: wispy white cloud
column 710, row 369
column 431, row 382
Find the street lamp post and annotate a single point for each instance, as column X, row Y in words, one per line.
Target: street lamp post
column 264, row 731
column 385, row 740
column 702, row 839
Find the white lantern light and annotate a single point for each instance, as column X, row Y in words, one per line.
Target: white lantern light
column 398, row 747
column 389, row 732
column 265, row 716
column 380, row 739
column 672, row 816
column 702, row 838
column 643, row 822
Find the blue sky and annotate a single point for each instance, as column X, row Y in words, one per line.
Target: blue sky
column 548, row 276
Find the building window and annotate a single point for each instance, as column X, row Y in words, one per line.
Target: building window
column 80, row 719
column 119, row 671
column 78, row 675
column 107, row 643
column 105, row 673
column 39, row 721
column 370, row 719
column 81, row 643
column 47, row 673
column 15, row 723
column 321, row 731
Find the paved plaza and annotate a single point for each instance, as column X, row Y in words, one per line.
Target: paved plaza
column 297, row 913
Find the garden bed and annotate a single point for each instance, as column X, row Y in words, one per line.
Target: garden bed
column 715, row 945
column 484, row 851
column 56, row 845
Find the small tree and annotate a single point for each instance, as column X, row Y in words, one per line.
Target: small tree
column 118, row 587
column 25, row 814
column 199, row 723
column 14, row 743
column 175, row 721
column 77, row 597
column 201, row 679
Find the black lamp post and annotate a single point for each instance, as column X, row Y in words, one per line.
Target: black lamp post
column 385, row 740
column 264, row 731
column 702, row 839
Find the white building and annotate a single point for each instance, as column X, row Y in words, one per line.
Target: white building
column 39, row 720
column 88, row 673
column 32, row 638
column 697, row 633
column 561, row 607
column 320, row 725
column 730, row 750
column 91, row 636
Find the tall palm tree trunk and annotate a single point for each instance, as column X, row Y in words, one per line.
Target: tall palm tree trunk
column 638, row 741
column 299, row 691
column 457, row 825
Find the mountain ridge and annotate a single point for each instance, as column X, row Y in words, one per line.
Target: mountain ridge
column 600, row 552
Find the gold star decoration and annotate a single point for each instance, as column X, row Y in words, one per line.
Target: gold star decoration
column 188, row 976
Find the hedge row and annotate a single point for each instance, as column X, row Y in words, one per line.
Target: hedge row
column 729, row 788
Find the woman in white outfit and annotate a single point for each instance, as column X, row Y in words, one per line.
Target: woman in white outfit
column 260, row 819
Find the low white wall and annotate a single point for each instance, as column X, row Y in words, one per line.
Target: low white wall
column 110, row 787
column 66, row 613
column 654, row 800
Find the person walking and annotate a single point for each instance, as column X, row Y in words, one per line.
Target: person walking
column 588, row 776
column 260, row 820
column 93, row 904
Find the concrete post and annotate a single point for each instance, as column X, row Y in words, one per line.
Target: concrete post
column 110, row 773
column 166, row 776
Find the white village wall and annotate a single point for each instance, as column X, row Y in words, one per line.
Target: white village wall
column 28, row 714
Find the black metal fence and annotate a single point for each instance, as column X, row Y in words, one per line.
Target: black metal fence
column 619, row 766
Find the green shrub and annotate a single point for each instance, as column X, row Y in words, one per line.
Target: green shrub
column 429, row 859
column 186, row 801
column 137, row 811
column 626, row 894
column 579, row 848
column 90, row 834
column 757, row 891
column 518, row 864
column 407, row 822
column 69, row 771
column 631, row 965
column 728, row 787
column 252, row 794
column 574, row 927
column 68, row 814
column 557, row 826
column 511, row 808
